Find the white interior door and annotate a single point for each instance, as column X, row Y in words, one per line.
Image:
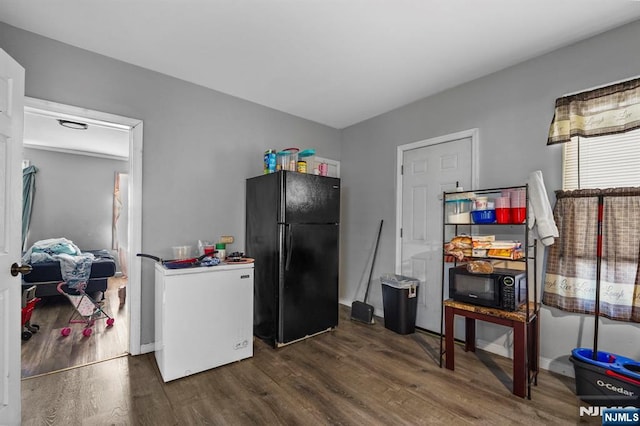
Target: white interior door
column 428, row 171
column 11, row 125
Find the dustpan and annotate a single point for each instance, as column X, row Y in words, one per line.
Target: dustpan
column 362, row 311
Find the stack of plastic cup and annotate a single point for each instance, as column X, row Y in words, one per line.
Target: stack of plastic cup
column 503, row 210
column 518, row 206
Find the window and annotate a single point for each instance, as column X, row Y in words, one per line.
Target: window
column 602, row 161
column 598, row 211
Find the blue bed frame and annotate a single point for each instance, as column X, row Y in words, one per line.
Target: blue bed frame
column 46, row 275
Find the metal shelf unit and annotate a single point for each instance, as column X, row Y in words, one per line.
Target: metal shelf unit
column 530, row 312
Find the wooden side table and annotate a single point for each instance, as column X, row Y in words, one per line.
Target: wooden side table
column 525, row 338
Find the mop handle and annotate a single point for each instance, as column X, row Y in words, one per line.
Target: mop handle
column 598, row 266
column 373, row 261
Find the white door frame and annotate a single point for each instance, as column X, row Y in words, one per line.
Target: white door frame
column 135, row 196
column 471, row 133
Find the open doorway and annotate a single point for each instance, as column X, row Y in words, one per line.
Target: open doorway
column 97, row 161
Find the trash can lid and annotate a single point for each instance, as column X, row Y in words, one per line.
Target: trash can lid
column 399, row 281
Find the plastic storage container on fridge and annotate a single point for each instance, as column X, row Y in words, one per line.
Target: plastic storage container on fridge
column 400, row 301
column 288, row 159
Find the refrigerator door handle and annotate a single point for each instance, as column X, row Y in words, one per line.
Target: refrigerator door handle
column 289, row 229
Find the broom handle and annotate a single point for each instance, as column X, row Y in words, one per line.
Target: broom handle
column 373, row 261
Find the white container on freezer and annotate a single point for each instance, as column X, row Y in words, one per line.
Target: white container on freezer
column 181, row 252
column 203, row 318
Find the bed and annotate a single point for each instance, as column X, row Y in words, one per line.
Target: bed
column 46, row 275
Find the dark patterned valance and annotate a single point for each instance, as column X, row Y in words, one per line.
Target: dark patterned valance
column 604, row 111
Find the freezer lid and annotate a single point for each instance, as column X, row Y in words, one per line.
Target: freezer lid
column 310, row 198
column 203, row 269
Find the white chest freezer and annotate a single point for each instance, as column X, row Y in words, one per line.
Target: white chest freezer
column 203, row 318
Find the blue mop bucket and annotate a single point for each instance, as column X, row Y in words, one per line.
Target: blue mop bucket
column 609, row 380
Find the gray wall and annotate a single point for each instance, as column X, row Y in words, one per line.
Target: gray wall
column 74, row 198
column 199, row 145
column 512, row 110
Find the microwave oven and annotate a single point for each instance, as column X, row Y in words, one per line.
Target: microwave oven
column 503, row 289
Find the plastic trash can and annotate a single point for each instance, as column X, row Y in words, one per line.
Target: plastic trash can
column 400, row 301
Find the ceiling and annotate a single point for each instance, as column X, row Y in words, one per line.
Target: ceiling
column 336, row 62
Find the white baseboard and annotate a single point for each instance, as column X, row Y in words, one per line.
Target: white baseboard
column 147, row 347
column 493, row 348
column 558, row 366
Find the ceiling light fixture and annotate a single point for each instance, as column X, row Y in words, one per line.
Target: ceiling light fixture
column 73, row 125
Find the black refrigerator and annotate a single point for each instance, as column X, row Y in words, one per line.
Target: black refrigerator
column 293, row 227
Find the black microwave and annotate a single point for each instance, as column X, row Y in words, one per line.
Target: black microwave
column 502, row 289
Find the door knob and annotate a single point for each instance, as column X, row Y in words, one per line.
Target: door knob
column 20, row 269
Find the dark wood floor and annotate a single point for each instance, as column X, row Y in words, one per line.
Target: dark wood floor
column 356, row 375
column 48, row 350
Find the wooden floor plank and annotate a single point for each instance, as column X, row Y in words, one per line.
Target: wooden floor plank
column 47, row 350
column 357, row 374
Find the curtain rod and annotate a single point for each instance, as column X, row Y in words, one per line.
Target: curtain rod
column 601, row 86
column 595, row 193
